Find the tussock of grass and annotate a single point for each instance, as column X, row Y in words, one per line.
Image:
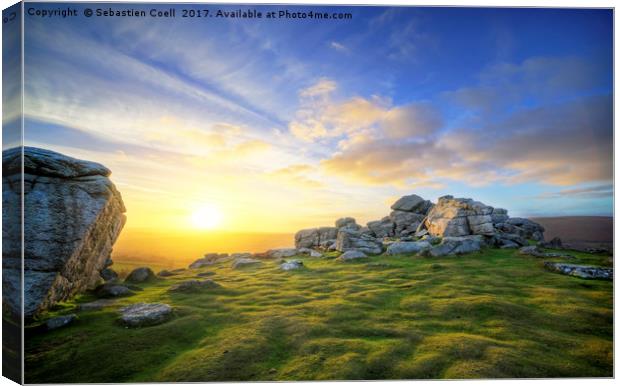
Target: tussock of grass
column 488, row 315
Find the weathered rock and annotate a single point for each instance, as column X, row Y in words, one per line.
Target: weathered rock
column 166, row 273
column 421, row 233
column 60, row 321
column 291, row 265
column 412, row 203
column 406, row 222
column 382, row 228
column 281, row 253
column 73, row 215
column 457, row 245
column 309, row 252
column 242, row 263
column 535, row 251
column 349, row 239
column 316, row 237
column 459, row 217
column 407, row 203
column 347, row 222
column 307, row 238
column 431, row 239
column 352, row 255
column 97, row 304
column 194, row 286
column 509, row 240
column 529, row 229
column 112, row 290
column 210, row 259
column 554, row 243
column 145, row 314
column 243, row 255
column 109, row 274
column 499, row 215
column 407, row 247
column 140, row 275
column 582, row 271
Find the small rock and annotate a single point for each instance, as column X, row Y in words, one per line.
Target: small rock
column 178, row 270
column 554, row 243
column 281, row 253
column 210, row 259
column 407, row 247
column 242, row 263
column 60, row 321
column 582, row 271
column 291, row 265
column 309, row 252
column 112, row 290
column 166, row 273
column 145, row 314
column 108, row 274
column 140, row 275
column 533, row 250
column 352, row 255
column 194, row 285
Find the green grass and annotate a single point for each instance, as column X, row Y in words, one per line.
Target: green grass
column 487, row 315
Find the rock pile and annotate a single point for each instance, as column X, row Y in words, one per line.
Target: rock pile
column 417, row 226
column 73, row 215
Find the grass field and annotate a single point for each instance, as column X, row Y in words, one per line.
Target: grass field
column 493, row 314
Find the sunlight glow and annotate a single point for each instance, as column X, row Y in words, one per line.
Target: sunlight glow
column 206, row 217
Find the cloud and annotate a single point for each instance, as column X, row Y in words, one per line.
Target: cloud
column 297, row 175
column 563, row 144
column 338, row 46
column 323, row 87
column 353, row 119
column 598, row 191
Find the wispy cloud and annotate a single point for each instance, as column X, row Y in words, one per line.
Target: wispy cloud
column 598, row 191
column 338, row 46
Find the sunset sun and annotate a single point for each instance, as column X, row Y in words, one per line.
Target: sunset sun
column 206, row 217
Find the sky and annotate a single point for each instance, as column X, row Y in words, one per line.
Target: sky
column 278, row 125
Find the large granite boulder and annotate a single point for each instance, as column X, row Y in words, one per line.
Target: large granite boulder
column 454, row 217
column 321, row 237
column 457, row 245
column 407, row 247
column 382, row 228
column 412, row 203
column 405, row 223
column 349, row 239
column 73, row 214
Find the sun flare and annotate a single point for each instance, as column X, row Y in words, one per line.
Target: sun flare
column 206, row 217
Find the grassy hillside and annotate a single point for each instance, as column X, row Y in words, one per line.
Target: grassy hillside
column 486, row 315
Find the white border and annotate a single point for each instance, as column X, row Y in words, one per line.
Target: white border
column 461, row 3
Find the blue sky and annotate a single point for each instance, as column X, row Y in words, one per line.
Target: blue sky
column 510, row 106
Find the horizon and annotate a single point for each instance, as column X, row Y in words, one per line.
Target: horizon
column 293, row 124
